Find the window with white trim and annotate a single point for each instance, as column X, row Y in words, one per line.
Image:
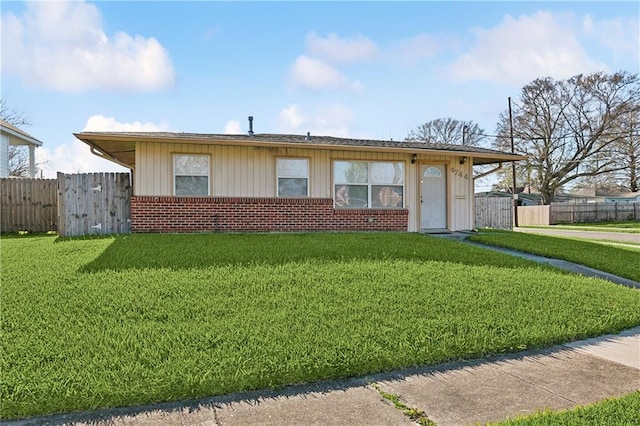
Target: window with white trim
column 293, row 177
column 190, row 175
column 368, row 184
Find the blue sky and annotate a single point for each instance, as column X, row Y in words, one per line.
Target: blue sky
column 353, row 69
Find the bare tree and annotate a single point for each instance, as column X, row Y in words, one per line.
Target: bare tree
column 18, row 161
column 447, row 130
column 626, row 152
column 13, row 116
column 567, row 127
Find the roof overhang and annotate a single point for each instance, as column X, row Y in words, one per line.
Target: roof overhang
column 18, row 137
column 120, row 147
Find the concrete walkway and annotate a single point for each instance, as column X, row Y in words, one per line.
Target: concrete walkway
column 592, row 235
column 459, row 393
column 562, row 264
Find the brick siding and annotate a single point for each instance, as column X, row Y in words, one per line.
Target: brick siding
column 247, row 214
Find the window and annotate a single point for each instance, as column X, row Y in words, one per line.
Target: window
column 191, row 174
column 293, row 177
column 368, row 184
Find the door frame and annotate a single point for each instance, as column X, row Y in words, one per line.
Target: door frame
column 446, row 165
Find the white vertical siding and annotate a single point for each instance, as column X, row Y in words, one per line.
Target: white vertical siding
column 4, row 156
column 250, row 172
column 461, row 194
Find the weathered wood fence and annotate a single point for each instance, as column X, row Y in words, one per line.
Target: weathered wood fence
column 533, row 215
column 494, row 212
column 594, row 212
column 94, row 203
column 28, row 205
column 76, row 204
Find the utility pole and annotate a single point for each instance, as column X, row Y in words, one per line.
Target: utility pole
column 513, row 169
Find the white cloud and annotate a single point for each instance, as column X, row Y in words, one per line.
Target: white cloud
column 620, row 35
column 291, row 119
column 232, row 128
column 334, row 49
column 522, row 49
column 100, row 123
column 62, row 46
column 314, row 74
column 328, row 120
column 73, row 157
column 76, row 157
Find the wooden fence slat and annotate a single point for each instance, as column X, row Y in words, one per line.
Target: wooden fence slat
column 28, row 205
column 494, row 212
column 93, row 199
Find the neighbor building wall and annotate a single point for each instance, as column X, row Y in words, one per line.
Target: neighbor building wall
column 244, row 171
column 4, row 156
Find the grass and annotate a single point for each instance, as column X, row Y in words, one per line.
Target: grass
column 624, row 411
column 613, row 259
column 626, row 227
column 414, row 414
column 133, row 319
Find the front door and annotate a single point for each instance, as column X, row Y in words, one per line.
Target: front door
column 433, row 196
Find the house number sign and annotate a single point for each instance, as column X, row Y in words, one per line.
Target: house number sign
column 459, row 173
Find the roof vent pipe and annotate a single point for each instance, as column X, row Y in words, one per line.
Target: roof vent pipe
column 250, row 125
column 308, row 137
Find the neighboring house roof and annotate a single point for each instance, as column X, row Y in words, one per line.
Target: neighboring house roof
column 23, row 138
column 120, row 146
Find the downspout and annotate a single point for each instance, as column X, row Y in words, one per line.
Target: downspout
column 481, row 175
column 99, row 153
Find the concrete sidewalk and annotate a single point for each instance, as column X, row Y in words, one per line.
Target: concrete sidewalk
column 591, row 235
column 459, row 393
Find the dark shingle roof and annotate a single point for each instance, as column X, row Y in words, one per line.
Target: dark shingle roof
column 107, row 141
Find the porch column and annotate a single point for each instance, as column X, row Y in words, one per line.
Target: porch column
column 32, row 161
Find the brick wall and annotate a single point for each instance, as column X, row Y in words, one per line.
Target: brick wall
column 245, row 214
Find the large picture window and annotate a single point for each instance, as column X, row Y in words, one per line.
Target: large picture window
column 368, row 184
column 191, row 174
column 293, row 177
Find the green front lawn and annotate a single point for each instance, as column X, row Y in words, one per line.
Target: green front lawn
column 105, row 322
column 620, row 261
column 624, row 411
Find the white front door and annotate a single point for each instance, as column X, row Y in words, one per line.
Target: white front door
column 433, row 196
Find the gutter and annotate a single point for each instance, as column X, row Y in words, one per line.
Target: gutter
column 97, row 152
column 481, row 175
column 197, row 138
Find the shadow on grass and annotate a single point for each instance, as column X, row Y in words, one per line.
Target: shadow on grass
column 186, row 251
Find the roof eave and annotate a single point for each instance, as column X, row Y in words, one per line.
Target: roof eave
column 478, row 157
column 30, row 140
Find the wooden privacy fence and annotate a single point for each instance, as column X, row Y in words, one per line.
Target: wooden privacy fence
column 78, row 204
column 593, row 212
column 533, row 215
column 28, row 205
column 494, row 212
column 94, row 203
